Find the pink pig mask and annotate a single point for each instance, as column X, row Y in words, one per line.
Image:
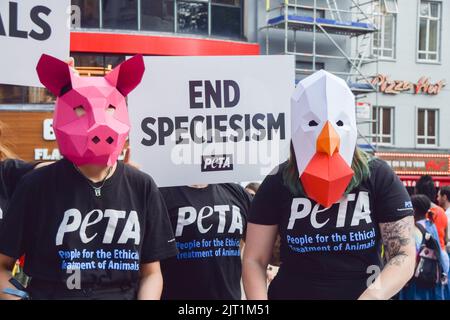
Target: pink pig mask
column 91, row 118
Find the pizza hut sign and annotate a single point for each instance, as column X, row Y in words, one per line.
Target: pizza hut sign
column 423, row 86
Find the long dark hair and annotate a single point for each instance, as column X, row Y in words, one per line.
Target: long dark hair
column 360, row 167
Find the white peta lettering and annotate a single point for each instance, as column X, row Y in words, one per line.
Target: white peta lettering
column 302, row 207
column 73, row 221
column 188, row 216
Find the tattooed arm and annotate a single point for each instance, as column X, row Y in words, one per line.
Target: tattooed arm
column 400, row 251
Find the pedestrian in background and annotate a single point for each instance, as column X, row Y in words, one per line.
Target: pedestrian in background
column 416, row 290
column 425, row 185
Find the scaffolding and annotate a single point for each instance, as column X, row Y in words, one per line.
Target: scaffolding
column 348, row 30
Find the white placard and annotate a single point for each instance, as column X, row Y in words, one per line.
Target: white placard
column 29, row 28
column 199, row 120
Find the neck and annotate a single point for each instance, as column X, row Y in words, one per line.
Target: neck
column 446, row 205
column 97, row 173
column 198, row 186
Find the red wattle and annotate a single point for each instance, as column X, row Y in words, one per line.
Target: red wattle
column 326, row 178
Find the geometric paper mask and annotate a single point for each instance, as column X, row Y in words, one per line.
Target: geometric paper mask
column 91, row 120
column 324, row 134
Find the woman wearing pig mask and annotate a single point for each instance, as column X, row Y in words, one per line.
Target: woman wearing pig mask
column 90, row 226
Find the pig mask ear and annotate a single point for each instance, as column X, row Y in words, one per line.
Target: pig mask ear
column 126, row 76
column 54, row 74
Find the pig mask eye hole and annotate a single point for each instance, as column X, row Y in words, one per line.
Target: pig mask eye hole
column 79, row 111
column 111, row 109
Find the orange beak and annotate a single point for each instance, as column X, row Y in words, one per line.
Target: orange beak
column 328, row 141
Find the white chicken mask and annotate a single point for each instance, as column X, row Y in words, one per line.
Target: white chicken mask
column 324, row 135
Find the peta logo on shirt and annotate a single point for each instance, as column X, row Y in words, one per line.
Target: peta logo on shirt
column 301, row 208
column 87, row 228
column 210, row 217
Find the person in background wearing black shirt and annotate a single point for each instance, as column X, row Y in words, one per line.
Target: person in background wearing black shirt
column 209, row 223
column 11, row 171
column 90, row 226
column 330, row 241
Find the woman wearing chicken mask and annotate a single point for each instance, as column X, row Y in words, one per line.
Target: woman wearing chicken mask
column 90, row 226
column 333, row 207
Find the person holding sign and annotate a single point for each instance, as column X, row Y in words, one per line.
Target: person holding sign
column 333, row 207
column 90, row 226
column 209, row 223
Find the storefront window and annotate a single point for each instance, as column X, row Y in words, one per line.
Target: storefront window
column 157, row 15
column 226, row 21
column 221, row 18
column 235, row 3
column 86, row 65
column 89, row 13
column 96, row 65
column 193, row 17
column 120, row 14
column 11, row 94
column 24, row 95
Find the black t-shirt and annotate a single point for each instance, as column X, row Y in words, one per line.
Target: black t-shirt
column 209, row 224
column 329, row 253
column 11, row 171
column 58, row 222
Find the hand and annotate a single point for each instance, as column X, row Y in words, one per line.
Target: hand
column 444, row 279
column 71, row 63
column 271, row 273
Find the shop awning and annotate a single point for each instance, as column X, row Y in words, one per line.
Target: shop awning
column 410, row 181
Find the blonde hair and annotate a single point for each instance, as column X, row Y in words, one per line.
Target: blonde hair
column 5, row 152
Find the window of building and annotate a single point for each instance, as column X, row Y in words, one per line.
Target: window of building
column 86, row 65
column 120, row 14
column 307, row 65
column 226, row 18
column 427, row 127
column 89, row 13
column 223, row 18
column 429, row 31
column 25, row 95
column 390, row 6
column 383, row 125
column 96, row 64
column 383, row 44
column 192, row 17
column 157, row 15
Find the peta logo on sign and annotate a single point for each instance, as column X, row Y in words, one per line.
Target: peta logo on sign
column 217, row 163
